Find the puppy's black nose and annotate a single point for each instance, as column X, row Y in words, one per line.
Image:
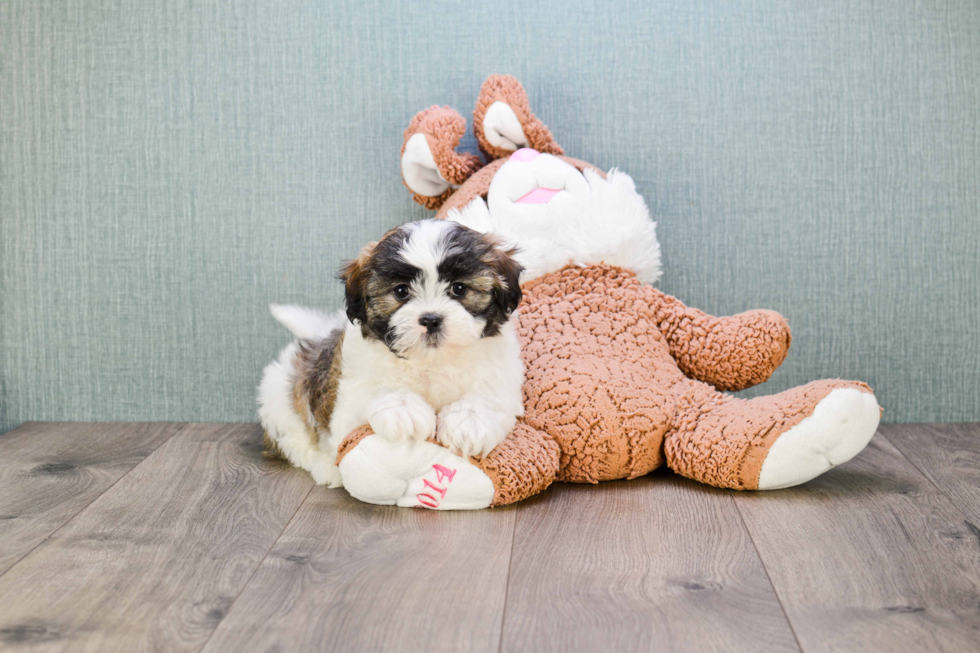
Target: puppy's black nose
column 431, row 322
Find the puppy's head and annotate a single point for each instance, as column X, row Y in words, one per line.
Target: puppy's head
column 431, row 284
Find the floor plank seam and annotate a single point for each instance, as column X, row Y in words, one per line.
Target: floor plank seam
column 231, row 606
column 932, row 482
column 183, row 425
column 510, row 565
column 762, row 562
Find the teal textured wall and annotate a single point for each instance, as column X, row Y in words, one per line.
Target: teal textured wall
column 167, row 169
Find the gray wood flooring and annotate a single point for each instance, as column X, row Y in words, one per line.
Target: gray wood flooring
column 181, row 537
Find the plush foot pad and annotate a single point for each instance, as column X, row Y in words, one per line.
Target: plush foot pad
column 414, row 475
column 841, row 426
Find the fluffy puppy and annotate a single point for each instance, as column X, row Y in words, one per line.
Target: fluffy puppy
column 428, row 348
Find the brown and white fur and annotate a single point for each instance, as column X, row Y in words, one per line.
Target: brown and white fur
column 428, row 348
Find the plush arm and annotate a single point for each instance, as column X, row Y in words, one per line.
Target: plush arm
column 730, row 353
column 522, row 465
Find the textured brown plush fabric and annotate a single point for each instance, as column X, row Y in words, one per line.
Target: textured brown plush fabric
column 522, row 465
column 352, row 440
column 443, row 128
column 597, row 372
column 602, row 353
column 506, row 89
column 730, row 353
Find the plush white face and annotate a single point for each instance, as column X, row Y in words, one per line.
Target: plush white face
column 432, row 285
column 558, row 215
column 536, row 187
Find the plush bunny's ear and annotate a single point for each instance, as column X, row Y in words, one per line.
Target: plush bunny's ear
column 503, row 122
column 431, row 167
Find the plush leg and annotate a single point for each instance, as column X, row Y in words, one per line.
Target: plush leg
column 525, row 463
column 769, row 442
column 427, row 475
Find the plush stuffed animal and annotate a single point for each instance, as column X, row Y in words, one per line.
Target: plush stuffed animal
column 620, row 378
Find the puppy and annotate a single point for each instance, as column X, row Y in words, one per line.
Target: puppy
column 428, row 348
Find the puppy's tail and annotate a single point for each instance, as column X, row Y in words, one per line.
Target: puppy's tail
column 306, row 323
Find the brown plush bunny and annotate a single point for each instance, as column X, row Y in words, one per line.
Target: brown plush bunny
column 620, row 378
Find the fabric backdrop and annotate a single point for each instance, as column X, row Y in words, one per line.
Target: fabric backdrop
column 169, row 168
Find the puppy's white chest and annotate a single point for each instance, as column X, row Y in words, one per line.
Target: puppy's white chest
column 440, row 387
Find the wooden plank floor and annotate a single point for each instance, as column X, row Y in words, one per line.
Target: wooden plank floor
column 168, row 537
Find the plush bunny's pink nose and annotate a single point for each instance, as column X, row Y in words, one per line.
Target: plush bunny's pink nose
column 525, row 154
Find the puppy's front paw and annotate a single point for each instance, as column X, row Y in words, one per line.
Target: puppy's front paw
column 469, row 430
column 402, row 416
column 324, row 472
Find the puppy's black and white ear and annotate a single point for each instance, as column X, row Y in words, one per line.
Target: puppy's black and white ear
column 507, row 286
column 354, row 274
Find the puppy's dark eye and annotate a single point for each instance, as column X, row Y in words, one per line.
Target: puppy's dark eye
column 401, row 292
column 458, row 290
